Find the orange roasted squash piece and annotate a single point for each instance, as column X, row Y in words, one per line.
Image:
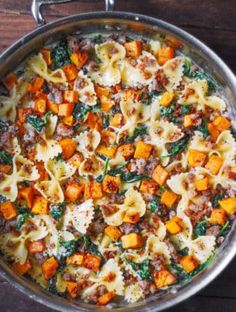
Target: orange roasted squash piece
column 68, row 147
column 159, row 175
column 165, row 54
column 28, row 194
column 49, row 268
column 164, row 278
column 22, row 268
column 92, row 190
column 8, row 210
column 92, row 262
column 74, row 191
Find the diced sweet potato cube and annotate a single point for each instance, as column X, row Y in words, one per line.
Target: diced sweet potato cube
column 132, row 240
column 196, row 158
column 53, row 107
column 127, row 150
column 189, row 263
column 107, row 151
column 188, row 121
column 133, row 48
column 37, row 85
column 228, row 204
column 131, row 217
column 92, row 190
column 36, row 246
column 49, row 268
column 159, row 175
column 165, row 54
column 28, row 194
column 93, row 121
column 73, row 289
column 8, row 210
column 40, row 105
column 22, row 268
column 218, row 216
column 74, row 191
column 111, row 184
column 70, row 72
column 214, row 164
column 117, row 120
column 106, row 298
column 149, row 187
column 5, row 168
column 102, row 91
column 201, row 184
column 113, row 232
column 79, row 58
column 168, row 198
column 221, row 123
column 66, row 109
column 164, row 278
column 174, row 225
column 106, row 103
column 92, row 262
column 47, row 56
column 71, row 96
column 143, row 150
column 68, row 147
column 167, row 98
column 40, row 205
column 76, row 259
column 213, row 131
column 68, row 121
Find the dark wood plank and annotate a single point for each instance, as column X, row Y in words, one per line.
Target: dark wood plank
column 222, row 41
column 209, row 14
column 213, row 22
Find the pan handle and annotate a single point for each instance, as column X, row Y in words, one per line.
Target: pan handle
column 36, row 8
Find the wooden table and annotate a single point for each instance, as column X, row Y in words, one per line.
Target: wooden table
column 212, row 21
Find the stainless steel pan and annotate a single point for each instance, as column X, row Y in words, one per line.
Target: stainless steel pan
column 148, row 27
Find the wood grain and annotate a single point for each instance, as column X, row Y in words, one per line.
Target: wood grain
column 212, row 21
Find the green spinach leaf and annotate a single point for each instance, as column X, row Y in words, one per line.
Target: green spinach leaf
column 21, row 218
column 3, row 125
column 225, row 229
column 101, row 177
column 56, row 211
column 66, row 248
column 142, row 269
column 155, row 206
column 141, row 131
column 201, row 75
column 36, row 121
column 61, row 55
column 200, row 228
column 178, row 147
column 215, row 200
column 5, row 158
column 203, row 128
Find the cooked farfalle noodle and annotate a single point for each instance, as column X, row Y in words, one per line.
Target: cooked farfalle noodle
column 155, row 246
column 140, row 74
column 116, row 283
column 18, row 249
column 173, row 71
column 110, row 53
column 58, row 170
column 38, row 65
column 133, row 202
column 9, row 103
column 84, row 85
column 134, row 293
column 91, row 166
column 23, row 170
column 161, row 133
column 196, row 93
column 87, row 142
column 82, row 215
